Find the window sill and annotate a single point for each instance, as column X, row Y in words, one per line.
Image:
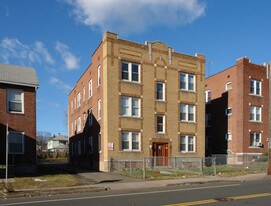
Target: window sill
column 131, row 82
column 131, row 117
column 135, row 151
column 188, row 152
column 188, row 91
column 257, row 122
column 255, row 95
column 254, row 147
column 20, row 113
column 161, row 101
column 160, row 133
column 187, row 122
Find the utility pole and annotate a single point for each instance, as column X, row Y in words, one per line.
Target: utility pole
column 6, row 182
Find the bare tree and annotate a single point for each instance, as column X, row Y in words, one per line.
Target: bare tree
column 41, row 141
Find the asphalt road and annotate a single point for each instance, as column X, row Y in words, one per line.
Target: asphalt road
column 256, row 192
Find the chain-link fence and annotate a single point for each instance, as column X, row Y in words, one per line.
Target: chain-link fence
column 156, row 167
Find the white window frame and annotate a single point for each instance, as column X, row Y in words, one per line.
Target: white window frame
column 228, row 136
column 22, row 142
column 257, row 143
column 186, row 82
column 84, row 93
column 207, row 97
column 90, row 88
column 158, row 92
column 99, row 110
column 12, row 91
column 187, row 138
column 99, row 80
column 253, row 111
column 228, row 111
column 130, row 107
column 163, row 123
column 228, row 86
column 79, row 125
column 186, row 112
column 78, row 99
column 253, row 90
column 130, row 73
column 130, row 141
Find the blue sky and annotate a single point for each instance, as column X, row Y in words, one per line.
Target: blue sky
column 58, row 37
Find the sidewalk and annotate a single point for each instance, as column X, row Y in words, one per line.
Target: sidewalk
column 109, row 181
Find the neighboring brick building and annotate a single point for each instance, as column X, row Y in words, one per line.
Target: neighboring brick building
column 18, row 86
column 237, row 110
column 137, row 100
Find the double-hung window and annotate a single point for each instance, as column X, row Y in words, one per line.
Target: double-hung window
column 15, row 101
column 79, row 99
column 130, row 106
column 207, row 96
column 160, row 91
column 255, row 139
column 187, row 82
column 255, row 114
column 84, row 94
column 130, row 141
column 99, row 109
column 16, row 142
column 90, row 88
column 79, row 124
column 160, row 124
column 99, row 76
column 130, row 71
column 187, row 143
column 187, row 113
column 255, row 87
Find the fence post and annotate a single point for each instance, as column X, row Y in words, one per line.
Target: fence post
column 144, row 169
column 201, row 165
column 214, row 163
column 130, row 167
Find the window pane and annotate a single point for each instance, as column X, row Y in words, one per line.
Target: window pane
column 124, row 106
column 258, row 114
column 183, row 112
column 135, row 107
column 15, row 143
column 125, row 140
column 183, row 144
column 159, row 91
column 251, row 113
column 135, row 75
column 160, row 123
column 135, row 141
column 190, row 143
column 183, row 82
column 191, row 116
column 251, row 86
column 191, row 82
column 258, row 88
column 124, row 71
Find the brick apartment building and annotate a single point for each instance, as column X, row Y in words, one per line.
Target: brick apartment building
column 237, row 110
column 134, row 101
column 18, row 86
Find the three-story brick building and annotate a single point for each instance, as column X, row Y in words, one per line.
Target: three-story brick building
column 137, row 100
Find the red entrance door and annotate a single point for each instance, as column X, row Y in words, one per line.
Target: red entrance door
column 160, row 153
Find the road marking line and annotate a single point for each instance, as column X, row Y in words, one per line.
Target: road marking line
column 118, row 195
column 201, row 202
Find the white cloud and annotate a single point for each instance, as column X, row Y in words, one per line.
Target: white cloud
column 60, row 84
column 135, row 15
column 71, row 61
column 11, row 49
